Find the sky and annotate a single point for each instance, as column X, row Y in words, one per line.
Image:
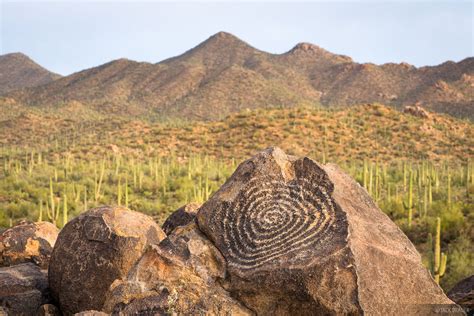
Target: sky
column 68, row 36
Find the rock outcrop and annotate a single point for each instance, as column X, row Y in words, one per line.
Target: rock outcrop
column 463, row 292
column 181, row 217
column 93, row 250
column 23, row 289
column 416, row 110
column 180, row 275
column 301, row 238
column 28, row 242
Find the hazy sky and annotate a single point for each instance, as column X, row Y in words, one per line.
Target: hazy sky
column 69, row 36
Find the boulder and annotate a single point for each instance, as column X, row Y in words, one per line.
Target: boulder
column 181, row 217
column 463, row 292
column 181, row 275
column 416, row 110
column 301, row 238
column 28, row 242
column 23, row 289
column 93, row 250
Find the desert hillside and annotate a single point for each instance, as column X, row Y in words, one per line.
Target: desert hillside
column 370, row 131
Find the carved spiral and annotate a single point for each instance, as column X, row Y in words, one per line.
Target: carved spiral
column 272, row 219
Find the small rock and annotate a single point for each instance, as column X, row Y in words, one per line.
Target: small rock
column 180, row 275
column 93, row 250
column 91, row 313
column 23, row 289
column 181, row 217
column 49, row 310
column 463, row 292
column 28, row 242
column 416, row 110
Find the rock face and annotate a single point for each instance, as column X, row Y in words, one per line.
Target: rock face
column 181, row 217
column 28, row 242
column 93, row 250
column 180, row 275
column 300, row 238
column 23, row 289
column 463, row 292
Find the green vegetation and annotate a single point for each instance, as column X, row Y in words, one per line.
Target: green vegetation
column 420, row 177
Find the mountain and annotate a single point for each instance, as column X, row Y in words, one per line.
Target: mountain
column 18, row 71
column 224, row 74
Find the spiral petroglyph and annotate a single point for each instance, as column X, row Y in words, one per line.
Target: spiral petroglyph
column 272, row 219
column 275, row 212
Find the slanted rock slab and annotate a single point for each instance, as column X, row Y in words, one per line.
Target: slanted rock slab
column 93, row 250
column 300, row 238
column 28, row 242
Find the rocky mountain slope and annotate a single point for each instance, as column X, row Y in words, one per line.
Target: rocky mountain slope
column 224, row 74
column 19, row 71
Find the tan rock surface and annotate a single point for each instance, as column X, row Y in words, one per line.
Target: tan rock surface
column 93, row 250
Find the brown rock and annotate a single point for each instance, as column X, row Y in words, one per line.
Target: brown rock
column 300, row 238
column 28, row 242
column 181, row 217
column 48, row 310
column 23, row 289
column 180, row 275
column 463, row 292
column 91, row 313
column 93, row 250
column 416, row 110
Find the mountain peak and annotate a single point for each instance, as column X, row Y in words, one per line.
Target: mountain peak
column 17, row 71
column 15, row 56
column 307, row 47
column 224, row 38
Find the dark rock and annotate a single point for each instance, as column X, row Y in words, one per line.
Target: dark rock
column 300, row 238
column 181, row 217
column 28, row 242
column 463, row 292
column 93, row 250
column 180, row 275
column 23, row 289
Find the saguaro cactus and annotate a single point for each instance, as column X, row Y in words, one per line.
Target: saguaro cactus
column 65, row 210
column 408, row 204
column 440, row 258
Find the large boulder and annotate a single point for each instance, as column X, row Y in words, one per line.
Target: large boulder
column 23, row 289
column 181, row 275
column 93, row 250
column 301, row 238
column 28, row 242
column 181, row 217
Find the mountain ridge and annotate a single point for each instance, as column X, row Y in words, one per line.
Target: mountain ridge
column 224, row 74
column 19, row 71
